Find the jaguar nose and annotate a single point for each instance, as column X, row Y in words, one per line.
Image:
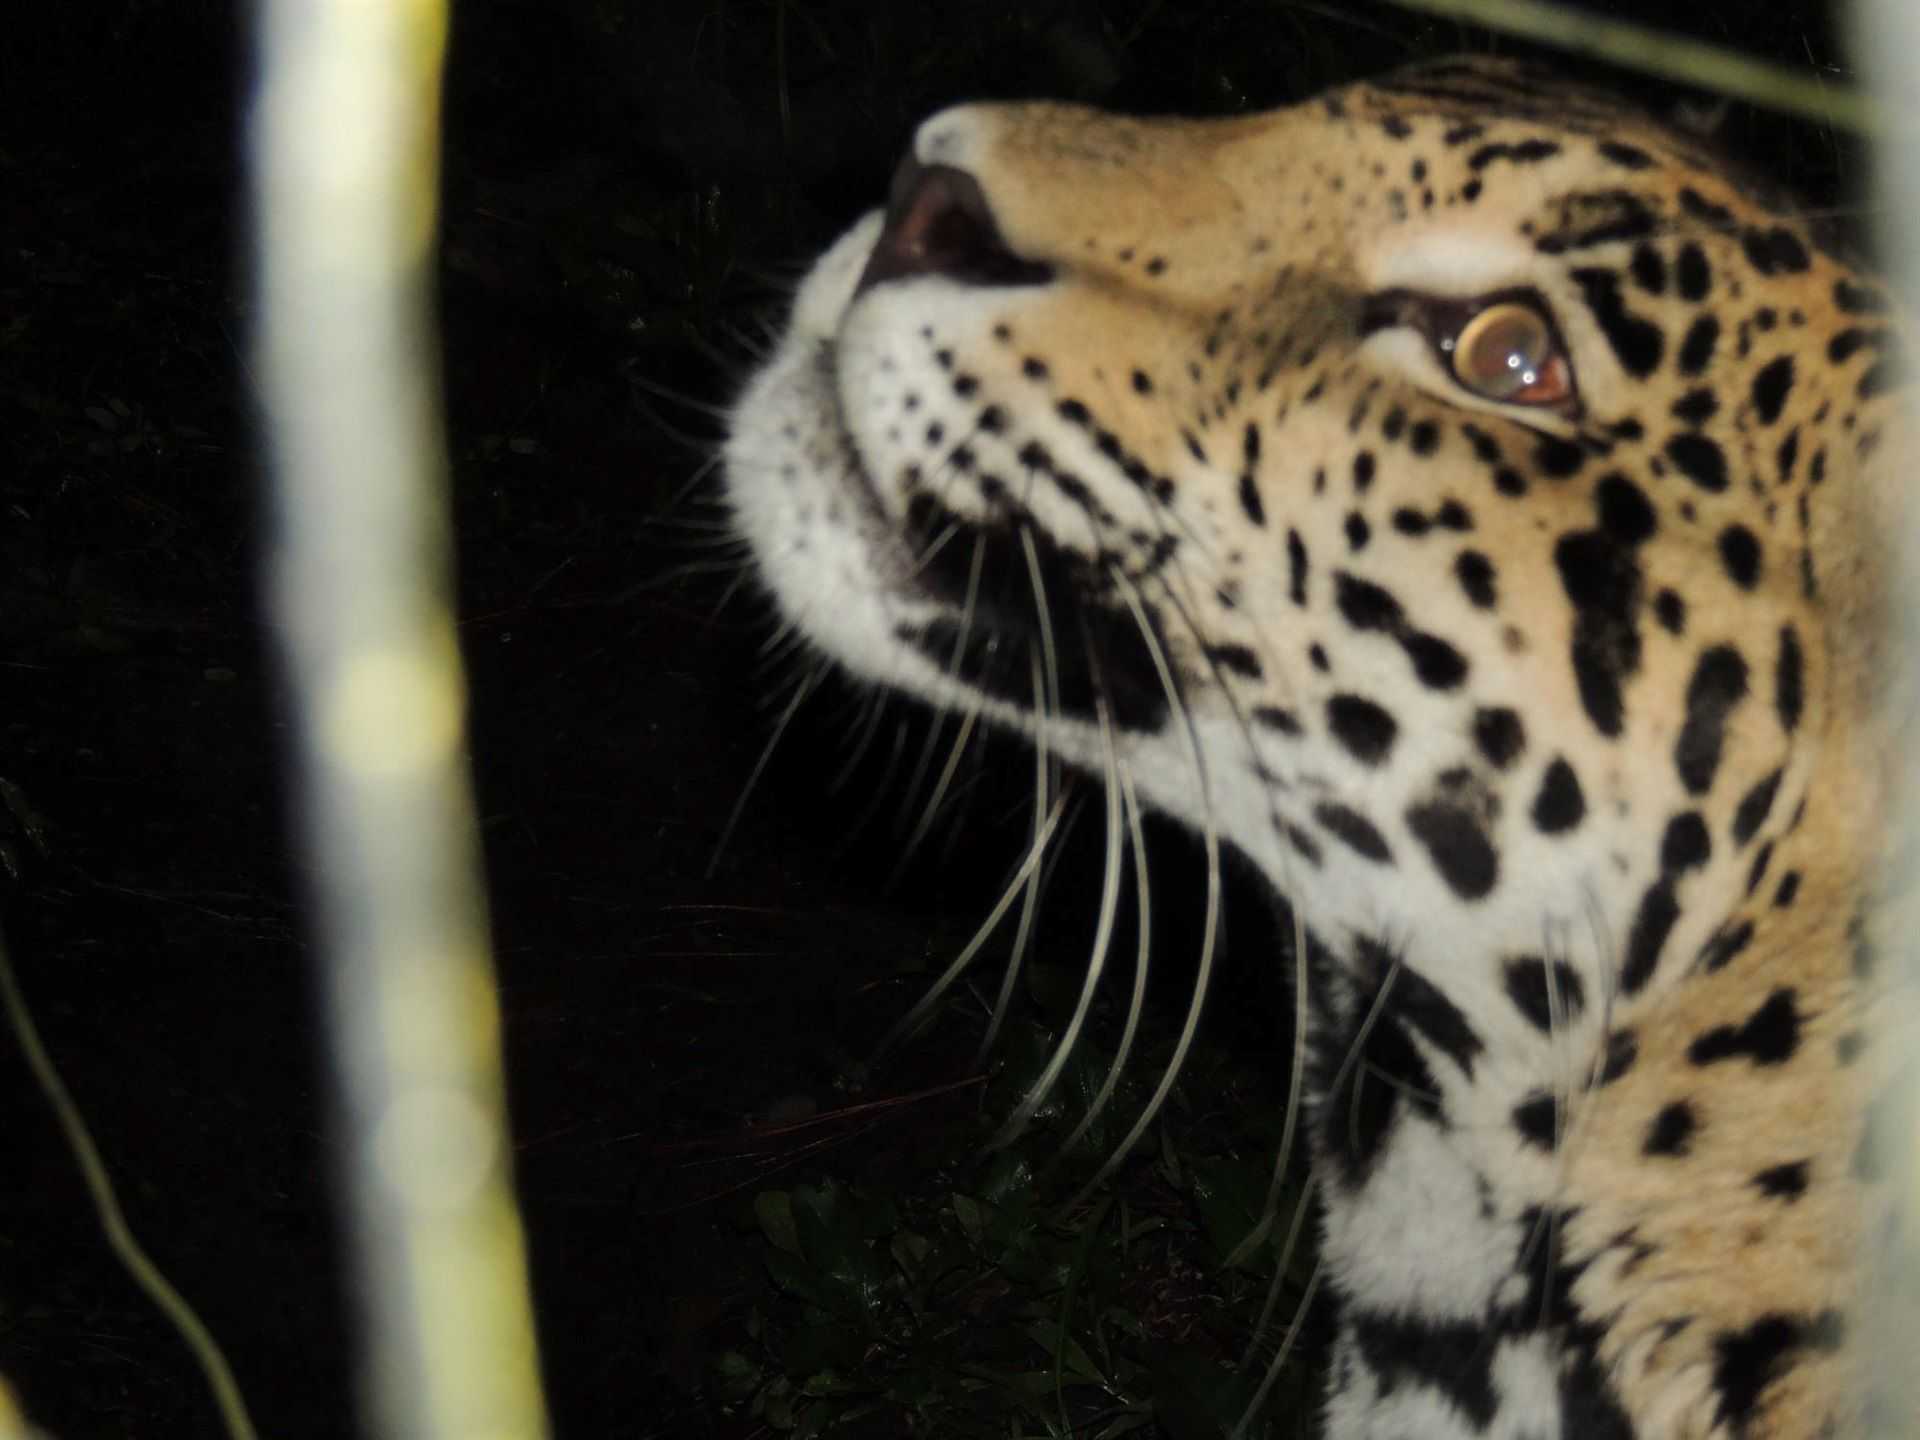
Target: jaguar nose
column 939, row 223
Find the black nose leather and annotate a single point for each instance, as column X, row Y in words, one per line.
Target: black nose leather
column 939, row 223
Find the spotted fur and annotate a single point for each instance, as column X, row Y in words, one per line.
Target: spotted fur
column 1554, row 722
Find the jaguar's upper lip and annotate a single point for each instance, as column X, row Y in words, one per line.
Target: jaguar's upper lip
column 940, row 223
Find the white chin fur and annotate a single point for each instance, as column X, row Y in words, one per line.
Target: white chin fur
column 794, row 482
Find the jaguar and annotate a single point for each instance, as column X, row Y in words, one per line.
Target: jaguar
column 1464, row 496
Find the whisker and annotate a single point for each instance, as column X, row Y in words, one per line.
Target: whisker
column 1211, row 931
column 1136, row 1004
column 1287, row 1342
column 1296, row 1227
column 1045, row 779
column 1102, row 942
column 800, row 693
column 876, row 708
column 914, row 1018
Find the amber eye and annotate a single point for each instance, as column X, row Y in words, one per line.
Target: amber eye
column 1508, row 353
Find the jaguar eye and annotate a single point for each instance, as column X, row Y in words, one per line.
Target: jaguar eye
column 1508, row 352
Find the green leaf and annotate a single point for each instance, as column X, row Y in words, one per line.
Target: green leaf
column 773, row 1209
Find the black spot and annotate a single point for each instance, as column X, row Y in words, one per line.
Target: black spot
column 1602, row 579
column 1449, row 1358
column 1625, row 514
column 1783, row 1182
column 1850, row 342
column 1788, row 680
column 1559, row 806
column 1396, row 127
column 1424, row 438
column 1365, row 729
column 1740, row 554
column 1652, row 923
column 1724, row 945
column 1719, row 683
column 1237, row 660
column 1638, row 343
column 1858, row 299
column 1696, row 351
column 1485, row 448
column 1671, row 1131
column 1671, row 611
column 1788, row 890
column 1296, row 568
column 1686, row 845
column 1558, row 458
column 1142, row 385
column 1700, row 460
column 1418, row 1002
column 1411, row 522
column 1475, row 574
column 1536, row 995
column 1769, row 1036
column 1707, row 212
column 1536, row 1118
column 1457, row 842
column 1358, row 531
column 1696, row 407
column 1628, row 156
column 1273, row 717
column 1775, row 251
column 1649, row 269
column 1250, row 498
column 1753, row 808
column 1770, row 388
column 1788, row 453
column 1527, row 152
column 1363, row 470
column 1623, row 1048
column 1365, row 606
column 1355, row 829
column 1436, row 664
column 1498, row 733
column 1762, row 858
column 1747, row 1361
column 1692, row 272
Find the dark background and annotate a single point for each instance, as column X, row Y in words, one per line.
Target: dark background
column 628, row 189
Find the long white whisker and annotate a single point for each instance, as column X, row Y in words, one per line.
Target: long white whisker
column 969, row 717
column 1211, row 932
column 1295, row 1229
column 913, row 1019
column 1044, row 780
column 1359, row 1048
column 1296, row 1087
column 800, row 693
column 1287, row 1342
column 1102, row 941
column 1136, row 1005
column 862, row 742
column 928, row 812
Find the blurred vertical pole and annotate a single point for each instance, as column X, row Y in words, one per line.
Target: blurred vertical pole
column 1886, row 37
column 344, row 146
